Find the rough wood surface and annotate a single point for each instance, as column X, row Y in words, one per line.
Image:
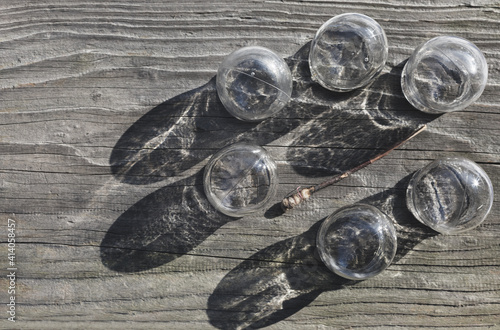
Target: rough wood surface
column 108, row 114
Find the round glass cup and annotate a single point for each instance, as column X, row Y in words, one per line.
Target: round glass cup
column 348, row 51
column 357, row 242
column 450, row 195
column 444, row 74
column 240, row 179
column 253, row 83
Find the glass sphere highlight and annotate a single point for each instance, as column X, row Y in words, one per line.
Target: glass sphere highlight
column 357, row 242
column 444, row 74
column 450, row 195
column 348, row 51
column 240, row 179
column 254, row 83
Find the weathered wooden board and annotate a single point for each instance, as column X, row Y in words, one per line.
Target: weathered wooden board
column 108, row 114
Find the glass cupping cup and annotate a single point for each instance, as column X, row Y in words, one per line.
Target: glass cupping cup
column 357, row 242
column 253, row 83
column 240, row 179
column 348, row 51
column 444, row 74
column 450, row 195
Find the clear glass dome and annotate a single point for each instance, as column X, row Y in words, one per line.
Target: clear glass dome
column 254, row 83
column 444, row 74
column 240, row 179
column 348, row 51
column 450, row 195
column 357, row 242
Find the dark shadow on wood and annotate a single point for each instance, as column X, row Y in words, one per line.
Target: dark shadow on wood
column 285, row 277
column 272, row 285
column 347, row 133
column 175, row 136
column 161, row 227
column 274, row 211
column 410, row 231
column 181, row 132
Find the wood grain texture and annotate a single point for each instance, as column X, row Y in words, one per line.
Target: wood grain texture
column 108, row 114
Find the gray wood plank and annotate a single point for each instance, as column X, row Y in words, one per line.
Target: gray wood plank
column 108, row 114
